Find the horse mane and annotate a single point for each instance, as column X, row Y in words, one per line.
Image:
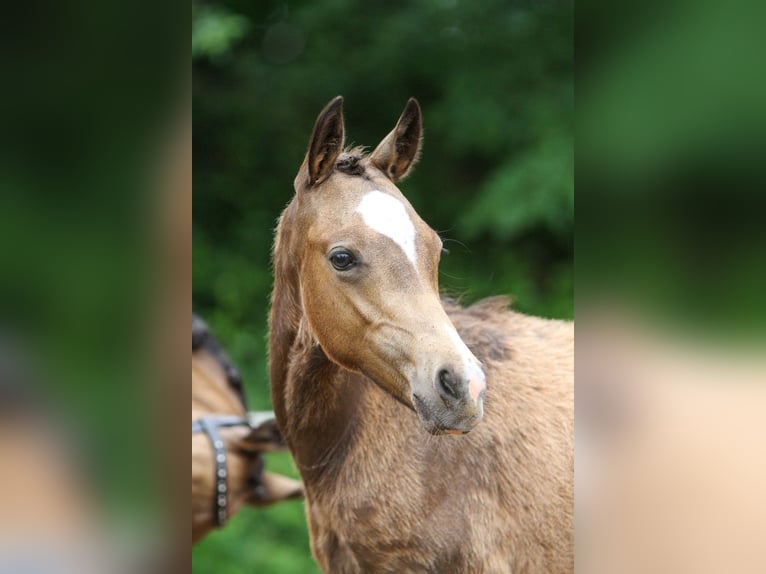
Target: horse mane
column 487, row 308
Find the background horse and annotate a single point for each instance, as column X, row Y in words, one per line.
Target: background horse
column 227, row 476
column 371, row 372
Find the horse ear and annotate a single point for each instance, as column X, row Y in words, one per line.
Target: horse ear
column 326, row 141
column 265, row 435
column 276, row 487
column 397, row 154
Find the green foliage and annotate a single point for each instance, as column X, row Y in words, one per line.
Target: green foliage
column 214, row 30
column 538, row 185
column 494, row 79
column 670, row 163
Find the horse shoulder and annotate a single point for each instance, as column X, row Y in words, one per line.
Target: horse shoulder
column 524, row 446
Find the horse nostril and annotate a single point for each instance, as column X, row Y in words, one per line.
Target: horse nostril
column 447, row 384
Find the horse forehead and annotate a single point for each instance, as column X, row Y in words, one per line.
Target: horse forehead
column 389, row 216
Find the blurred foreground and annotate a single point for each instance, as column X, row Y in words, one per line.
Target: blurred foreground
column 95, row 249
column 671, row 315
column 670, row 451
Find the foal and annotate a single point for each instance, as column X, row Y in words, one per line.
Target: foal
column 218, row 400
column 371, row 373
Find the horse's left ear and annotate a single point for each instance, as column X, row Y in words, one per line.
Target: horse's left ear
column 397, row 154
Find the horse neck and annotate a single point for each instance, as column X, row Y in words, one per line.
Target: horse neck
column 211, row 391
column 285, row 316
column 316, row 402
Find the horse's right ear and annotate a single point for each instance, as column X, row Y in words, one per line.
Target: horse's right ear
column 326, row 141
column 399, row 151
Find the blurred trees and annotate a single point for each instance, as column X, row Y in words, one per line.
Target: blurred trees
column 672, row 124
column 494, row 79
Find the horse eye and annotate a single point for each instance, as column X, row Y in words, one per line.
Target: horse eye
column 342, row 260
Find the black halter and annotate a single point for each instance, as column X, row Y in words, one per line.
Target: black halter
column 209, row 425
column 201, row 338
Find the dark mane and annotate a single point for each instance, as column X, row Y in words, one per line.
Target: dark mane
column 202, row 339
column 350, row 161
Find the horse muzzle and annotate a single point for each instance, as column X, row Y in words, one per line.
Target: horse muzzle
column 452, row 406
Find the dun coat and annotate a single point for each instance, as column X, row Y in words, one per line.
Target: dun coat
column 369, row 384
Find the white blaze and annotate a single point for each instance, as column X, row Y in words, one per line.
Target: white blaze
column 471, row 366
column 387, row 215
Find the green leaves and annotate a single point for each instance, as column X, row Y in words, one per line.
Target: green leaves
column 535, row 190
column 215, row 30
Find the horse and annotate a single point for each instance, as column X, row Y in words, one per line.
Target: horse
column 430, row 437
column 227, row 463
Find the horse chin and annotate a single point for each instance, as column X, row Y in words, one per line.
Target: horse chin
column 436, row 430
column 433, row 423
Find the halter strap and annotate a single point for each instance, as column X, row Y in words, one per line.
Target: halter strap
column 209, row 425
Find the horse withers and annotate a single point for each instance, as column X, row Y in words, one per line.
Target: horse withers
column 430, row 437
column 228, row 442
